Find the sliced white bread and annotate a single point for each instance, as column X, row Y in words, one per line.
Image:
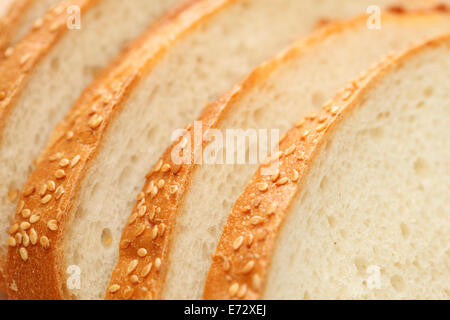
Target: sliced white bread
column 45, row 73
column 17, row 18
column 75, row 204
column 275, row 95
column 367, row 214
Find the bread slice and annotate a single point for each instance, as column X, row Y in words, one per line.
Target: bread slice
column 273, row 96
column 47, row 71
column 123, row 122
column 367, row 215
column 17, row 18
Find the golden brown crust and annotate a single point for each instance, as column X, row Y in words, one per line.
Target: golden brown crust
column 11, row 20
column 163, row 206
column 239, row 272
column 20, row 61
column 37, row 271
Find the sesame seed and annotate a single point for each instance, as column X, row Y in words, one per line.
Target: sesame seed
column 33, row 236
column 157, row 263
column 13, row 195
column 256, row 282
column 238, row 242
column 234, row 288
column 158, row 166
column 290, row 150
column 305, row 134
column 295, row 175
column 142, row 252
column 263, row 187
column 142, row 211
column 52, row 225
column 250, row 240
column 26, row 240
column 60, row 174
column 25, row 59
column 8, row 52
column 226, row 264
column 275, row 176
column 248, row 267
column 146, row 270
column 256, row 202
column 75, row 160
column 12, row 242
column 23, row 254
column 134, row 279
column 162, row 229
column 125, row 244
column 35, row 218
column 2, row 95
column 321, row 127
column 140, row 230
column 256, row 220
column 242, row 291
column 161, row 183
column 45, row 243
column 18, row 238
column 29, row 191
column 140, row 196
column 173, row 189
column 282, row 181
column 334, row 110
column 14, row 228
column 54, row 27
column 132, row 219
column 51, row 185
column 154, row 232
column 59, row 192
column 46, row 199
column 323, row 118
column 246, row 209
column 114, row 288
column 312, row 116
column 69, row 135
column 26, row 213
column 55, row 157
column 59, row 214
column 21, row 205
column 64, row 162
column 132, row 266
column 300, row 123
column 165, row 168
column 25, row 225
column 128, row 293
column 271, row 209
column 38, row 23
column 43, row 190
column 95, row 121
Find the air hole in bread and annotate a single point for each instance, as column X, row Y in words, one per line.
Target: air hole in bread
column 397, row 283
column 421, row 167
column 54, row 64
column 106, row 237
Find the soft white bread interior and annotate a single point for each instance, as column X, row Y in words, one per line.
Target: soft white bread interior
column 273, row 96
column 371, row 218
column 279, row 93
column 203, row 60
column 55, row 76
